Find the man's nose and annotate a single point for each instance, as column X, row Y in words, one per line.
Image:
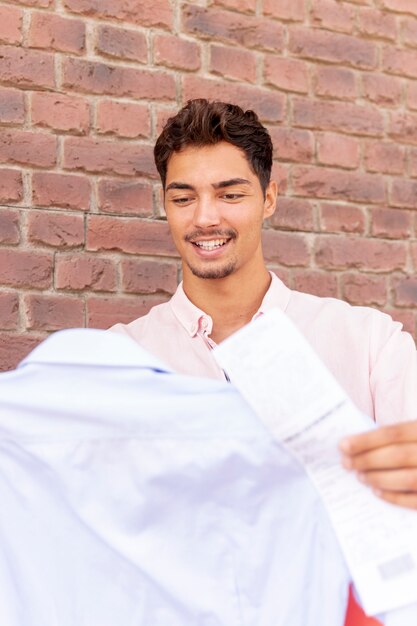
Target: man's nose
column 206, row 213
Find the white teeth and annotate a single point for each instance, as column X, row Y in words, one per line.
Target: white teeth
column 211, row 245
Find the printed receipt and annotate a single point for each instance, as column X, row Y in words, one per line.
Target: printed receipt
column 303, row 406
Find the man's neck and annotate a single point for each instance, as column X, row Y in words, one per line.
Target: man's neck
column 231, row 302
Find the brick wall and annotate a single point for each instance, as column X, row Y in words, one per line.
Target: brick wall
column 85, row 85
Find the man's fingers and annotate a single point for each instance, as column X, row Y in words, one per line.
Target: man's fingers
column 407, row 500
column 394, row 480
column 380, row 437
column 387, row 457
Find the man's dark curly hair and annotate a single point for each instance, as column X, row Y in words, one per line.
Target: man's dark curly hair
column 201, row 123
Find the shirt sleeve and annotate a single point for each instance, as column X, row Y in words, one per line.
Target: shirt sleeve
column 393, row 372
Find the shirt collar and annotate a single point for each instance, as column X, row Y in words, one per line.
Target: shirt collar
column 80, row 346
column 194, row 319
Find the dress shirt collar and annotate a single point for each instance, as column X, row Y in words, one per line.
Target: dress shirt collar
column 80, row 346
column 194, row 319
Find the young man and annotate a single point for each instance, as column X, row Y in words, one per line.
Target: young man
column 215, row 162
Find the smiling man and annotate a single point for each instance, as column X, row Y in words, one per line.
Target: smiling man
column 215, row 163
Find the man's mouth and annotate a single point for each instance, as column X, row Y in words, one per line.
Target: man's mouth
column 212, row 244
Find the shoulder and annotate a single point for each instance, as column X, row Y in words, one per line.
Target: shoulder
column 358, row 328
column 159, row 317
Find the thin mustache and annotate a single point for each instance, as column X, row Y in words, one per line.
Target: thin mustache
column 219, row 234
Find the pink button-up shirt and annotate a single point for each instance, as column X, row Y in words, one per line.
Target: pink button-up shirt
column 365, row 349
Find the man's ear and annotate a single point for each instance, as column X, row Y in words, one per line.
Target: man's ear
column 270, row 201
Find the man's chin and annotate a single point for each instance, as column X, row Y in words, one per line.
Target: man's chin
column 213, row 272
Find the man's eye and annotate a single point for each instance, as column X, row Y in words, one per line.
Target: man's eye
column 232, row 196
column 182, row 200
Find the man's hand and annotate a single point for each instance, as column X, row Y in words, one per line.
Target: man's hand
column 386, row 460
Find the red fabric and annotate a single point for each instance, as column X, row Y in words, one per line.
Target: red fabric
column 355, row 615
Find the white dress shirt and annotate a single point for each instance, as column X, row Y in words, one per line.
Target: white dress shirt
column 134, row 496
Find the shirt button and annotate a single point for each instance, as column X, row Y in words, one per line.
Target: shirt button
column 204, row 323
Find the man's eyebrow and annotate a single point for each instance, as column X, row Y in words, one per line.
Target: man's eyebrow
column 178, row 185
column 232, row 181
column 220, row 185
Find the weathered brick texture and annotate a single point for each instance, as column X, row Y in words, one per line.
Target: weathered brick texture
column 85, row 88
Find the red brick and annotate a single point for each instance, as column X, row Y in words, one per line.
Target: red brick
column 145, row 276
column 387, row 158
column 280, row 173
column 412, row 162
column 412, row 95
column 233, row 63
column 162, row 116
column 122, row 43
column 91, row 155
column 248, row 31
column 270, row 106
column 11, row 21
column 26, row 68
column 245, row 6
column 335, row 252
column 14, row 348
column 11, row 186
column 285, row 9
column 405, row 291
column 124, row 119
column 289, row 249
column 381, row 89
column 401, row 62
column 26, row 148
column 286, row 74
column 338, row 116
column 60, row 112
column 61, row 190
column 414, row 254
column 335, row 82
column 174, row 52
column 125, row 197
column 400, row 6
column 342, row 218
column 392, row 223
column 339, row 150
column 53, row 312
column 98, row 78
column 132, row 236
column 81, row 271
column 317, row 283
column 57, row 33
column 376, row 23
column 403, row 127
column 292, row 214
column 406, row 318
column 404, row 193
column 363, row 290
column 25, row 269
column 9, row 310
column 409, row 31
column 317, row 182
column 9, row 226
column 292, row 144
column 333, row 47
column 55, row 229
column 336, row 16
column 41, row 4
column 155, row 13
column 12, row 106
column 104, row 312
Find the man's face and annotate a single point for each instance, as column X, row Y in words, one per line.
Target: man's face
column 215, row 208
